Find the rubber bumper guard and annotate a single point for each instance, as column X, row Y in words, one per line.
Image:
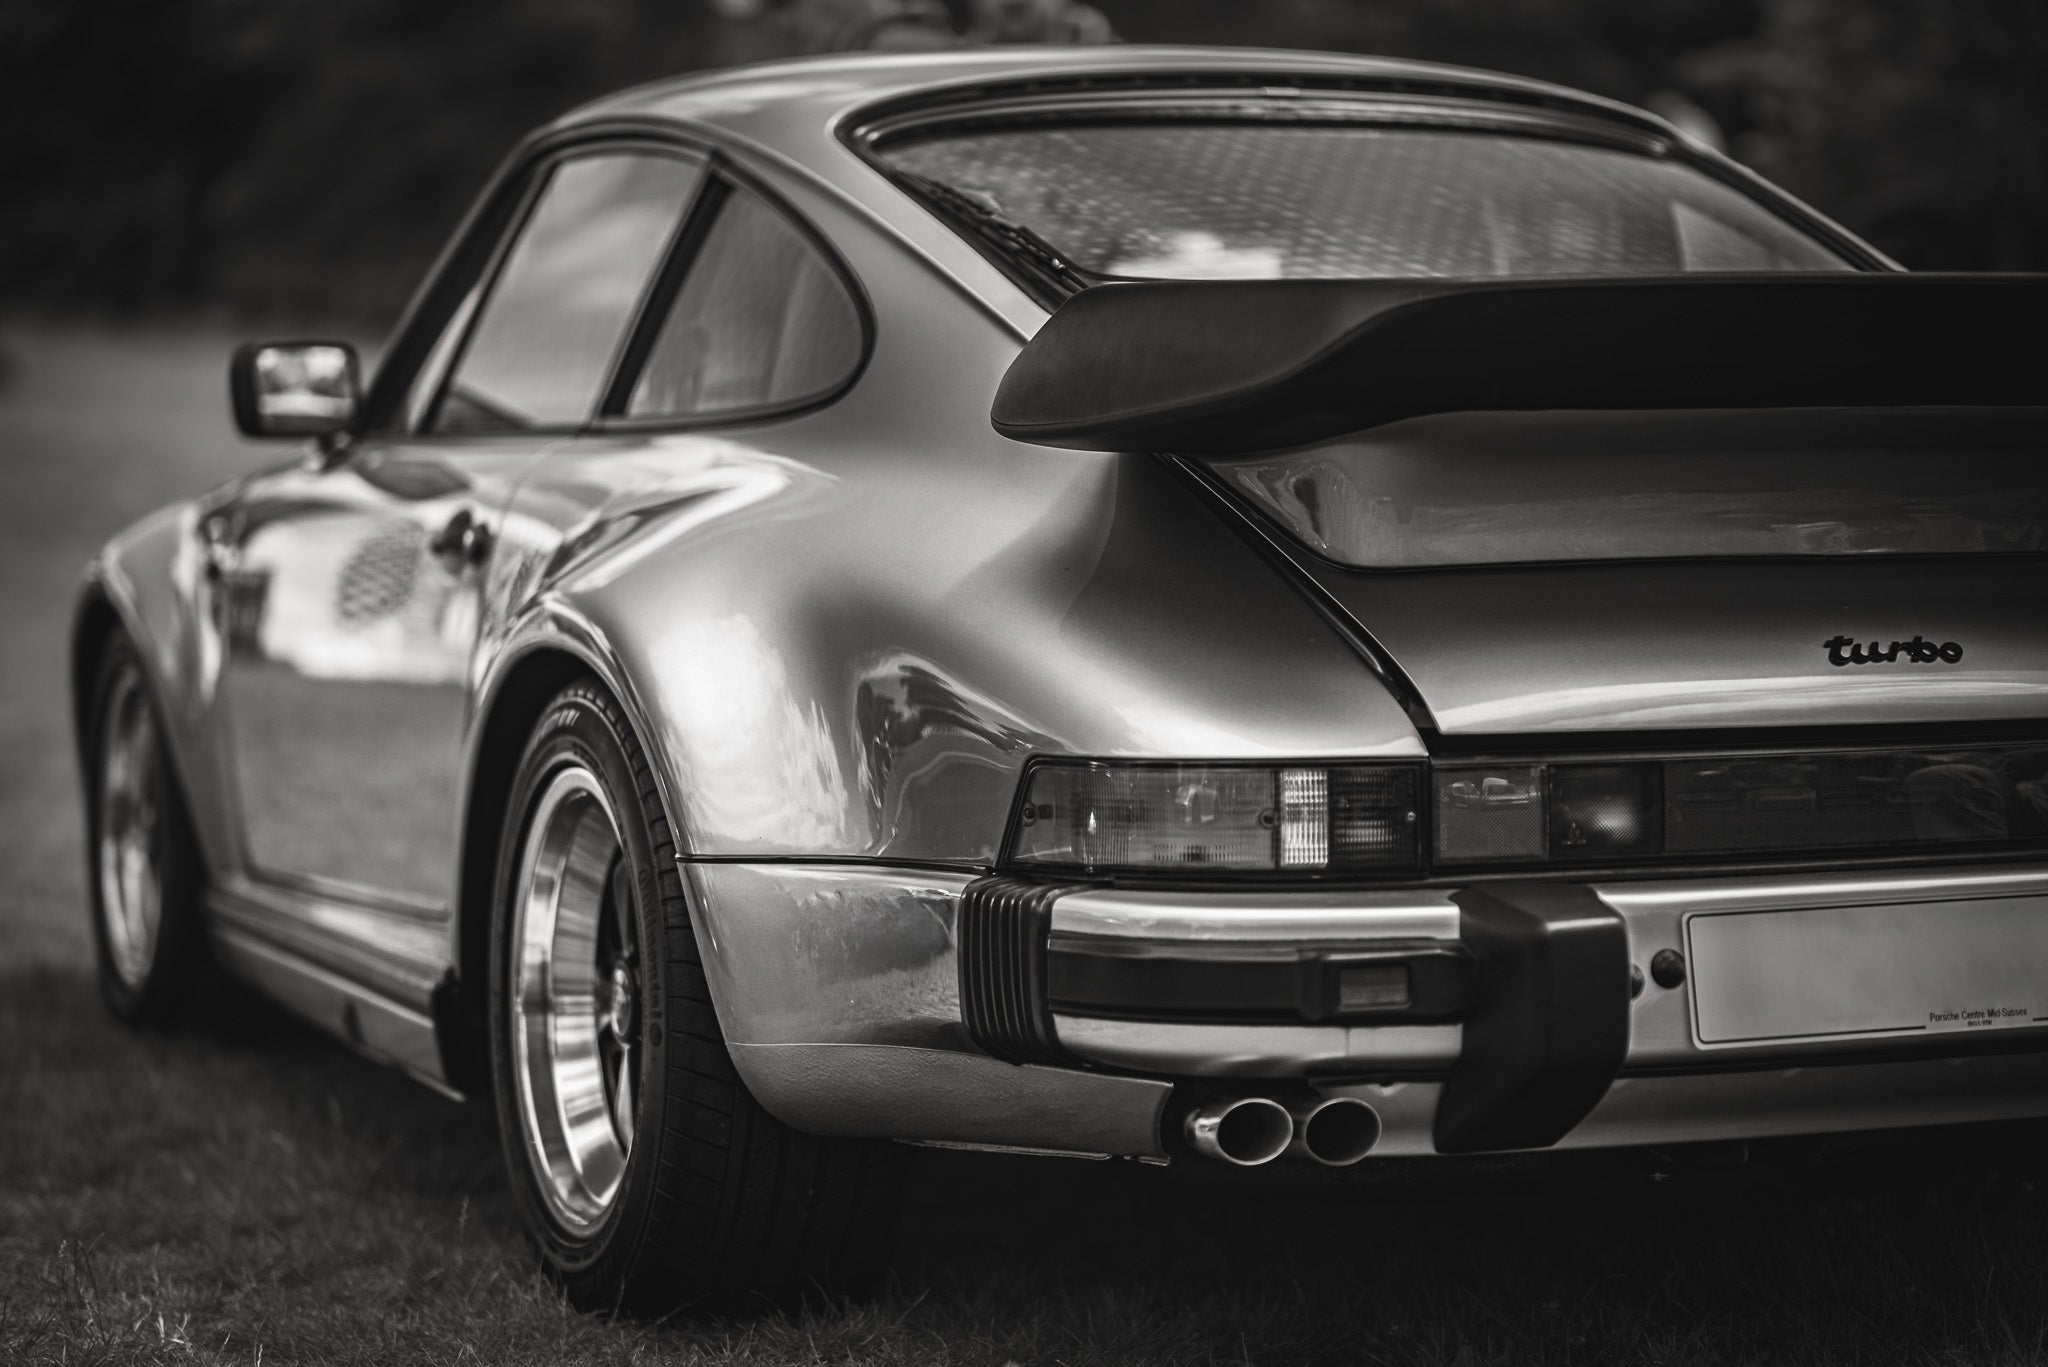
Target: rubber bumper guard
column 1550, row 1022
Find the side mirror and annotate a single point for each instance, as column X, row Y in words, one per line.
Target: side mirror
column 294, row 389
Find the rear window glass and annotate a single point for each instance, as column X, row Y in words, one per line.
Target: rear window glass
column 1331, row 201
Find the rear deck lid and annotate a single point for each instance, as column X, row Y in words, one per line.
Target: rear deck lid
column 1728, row 643
column 1560, row 572
column 1563, row 572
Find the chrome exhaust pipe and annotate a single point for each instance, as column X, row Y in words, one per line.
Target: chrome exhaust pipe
column 1244, row 1130
column 1335, row 1131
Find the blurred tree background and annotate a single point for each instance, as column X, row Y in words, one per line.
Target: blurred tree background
column 307, row 157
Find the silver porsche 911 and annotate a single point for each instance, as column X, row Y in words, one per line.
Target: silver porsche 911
column 1210, row 607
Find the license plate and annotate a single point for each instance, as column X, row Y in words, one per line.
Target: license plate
column 1830, row 972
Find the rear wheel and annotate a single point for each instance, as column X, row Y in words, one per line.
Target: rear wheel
column 142, row 865
column 649, row 1177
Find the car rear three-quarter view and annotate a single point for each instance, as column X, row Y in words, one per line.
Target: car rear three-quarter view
column 1203, row 607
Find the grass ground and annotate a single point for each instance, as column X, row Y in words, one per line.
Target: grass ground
column 245, row 1192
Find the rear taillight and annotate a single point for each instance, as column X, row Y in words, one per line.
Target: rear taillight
column 1229, row 818
column 1708, row 807
column 1219, row 818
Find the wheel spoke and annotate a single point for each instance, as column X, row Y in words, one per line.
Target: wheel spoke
column 128, row 841
column 623, row 1098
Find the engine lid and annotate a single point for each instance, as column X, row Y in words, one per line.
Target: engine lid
column 1649, row 646
column 1640, row 571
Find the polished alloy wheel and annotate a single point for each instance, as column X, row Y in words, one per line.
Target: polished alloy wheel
column 129, row 857
column 575, row 999
column 609, row 1071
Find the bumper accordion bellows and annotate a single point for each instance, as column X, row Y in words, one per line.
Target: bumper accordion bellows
column 1002, row 938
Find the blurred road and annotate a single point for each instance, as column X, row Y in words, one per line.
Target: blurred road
column 98, row 425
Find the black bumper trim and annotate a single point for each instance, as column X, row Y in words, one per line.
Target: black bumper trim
column 1550, row 1024
column 1001, row 936
column 1395, row 982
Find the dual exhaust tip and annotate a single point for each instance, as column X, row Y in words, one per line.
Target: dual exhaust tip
column 1247, row 1131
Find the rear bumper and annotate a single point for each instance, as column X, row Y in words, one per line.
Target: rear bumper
column 934, row 1006
column 1654, row 918
column 1575, row 1020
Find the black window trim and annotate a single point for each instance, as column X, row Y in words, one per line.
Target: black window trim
column 731, row 179
column 476, row 252
column 664, row 286
column 539, row 173
column 521, row 196
column 470, row 259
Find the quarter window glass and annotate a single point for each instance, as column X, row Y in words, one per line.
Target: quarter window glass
column 545, row 337
column 761, row 320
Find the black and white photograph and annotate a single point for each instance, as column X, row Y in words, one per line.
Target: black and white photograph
column 1020, row 683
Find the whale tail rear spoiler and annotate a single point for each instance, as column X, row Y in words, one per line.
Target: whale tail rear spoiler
column 1221, row 367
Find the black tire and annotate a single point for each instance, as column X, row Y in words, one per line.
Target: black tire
column 158, row 986
column 721, row 1208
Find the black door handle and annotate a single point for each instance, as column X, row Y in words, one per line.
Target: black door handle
column 464, row 541
column 221, row 552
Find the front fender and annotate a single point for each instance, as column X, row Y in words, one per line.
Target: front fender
column 149, row 582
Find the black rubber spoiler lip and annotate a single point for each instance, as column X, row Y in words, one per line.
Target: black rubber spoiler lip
column 1219, row 367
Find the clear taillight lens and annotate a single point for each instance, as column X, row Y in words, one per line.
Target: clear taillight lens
column 1197, row 818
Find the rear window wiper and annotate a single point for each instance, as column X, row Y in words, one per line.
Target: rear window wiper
column 1038, row 259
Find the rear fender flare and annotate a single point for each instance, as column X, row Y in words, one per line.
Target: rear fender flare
column 549, row 643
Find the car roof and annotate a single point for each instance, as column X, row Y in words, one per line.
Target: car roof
column 793, row 113
column 792, row 107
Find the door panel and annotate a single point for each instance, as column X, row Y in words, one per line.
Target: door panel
column 351, row 593
column 348, row 644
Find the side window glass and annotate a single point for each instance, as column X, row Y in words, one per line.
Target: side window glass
column 762, row 319
column 545, row 336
